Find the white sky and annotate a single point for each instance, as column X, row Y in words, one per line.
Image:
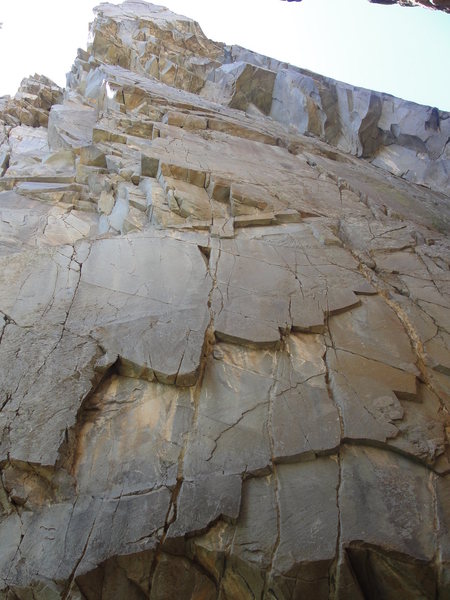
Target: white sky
column 403, row 51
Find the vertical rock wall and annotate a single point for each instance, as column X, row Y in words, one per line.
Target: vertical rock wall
column 224, row 338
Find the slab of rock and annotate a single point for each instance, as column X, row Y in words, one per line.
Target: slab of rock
column 224, row 333
column 155, row 292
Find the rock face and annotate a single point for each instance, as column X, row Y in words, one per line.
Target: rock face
column 443, row 5
column 224, row 316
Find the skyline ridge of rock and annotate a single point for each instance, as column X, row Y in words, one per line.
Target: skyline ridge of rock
column 443, row 5
column 404, row 137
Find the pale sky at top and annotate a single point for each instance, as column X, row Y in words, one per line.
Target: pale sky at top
column 402, row 51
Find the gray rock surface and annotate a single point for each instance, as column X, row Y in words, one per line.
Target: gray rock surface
column 443, row 5
column 224, row 328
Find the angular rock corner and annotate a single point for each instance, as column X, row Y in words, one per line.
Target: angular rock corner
column 224, row 328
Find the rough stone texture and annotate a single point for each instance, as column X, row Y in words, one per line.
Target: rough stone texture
column 435, row 4
column 224, row 344
column 443, row 5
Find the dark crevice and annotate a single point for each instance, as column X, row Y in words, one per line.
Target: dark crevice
column 69, row 452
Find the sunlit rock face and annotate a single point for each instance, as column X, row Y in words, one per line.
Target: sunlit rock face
column 224, row 328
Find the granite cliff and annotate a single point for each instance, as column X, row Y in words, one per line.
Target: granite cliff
column 224, row 328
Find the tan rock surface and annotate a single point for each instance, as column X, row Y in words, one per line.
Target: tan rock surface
column 224, row 328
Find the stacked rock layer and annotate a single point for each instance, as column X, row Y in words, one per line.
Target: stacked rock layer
column 224, row 317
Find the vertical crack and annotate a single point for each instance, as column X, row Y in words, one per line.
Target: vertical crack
column 413, row 336
column 276, row 483
column 22, row 530
column 7, row 320
column 328, row 383
column 333, row 577
column 437, row 557
column 172, row 510
column 66, row 594
column 63, row 324
column 171, row 517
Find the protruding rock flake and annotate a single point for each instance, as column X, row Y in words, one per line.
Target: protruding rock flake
column 224, row 328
